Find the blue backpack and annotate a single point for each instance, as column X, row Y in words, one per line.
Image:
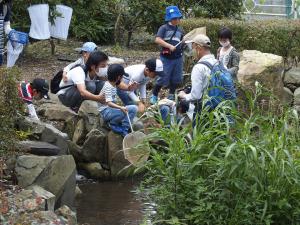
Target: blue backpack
column 221, row 86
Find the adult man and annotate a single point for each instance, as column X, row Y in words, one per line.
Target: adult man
column 82, row 82
column 141, row 75
column 200, row 74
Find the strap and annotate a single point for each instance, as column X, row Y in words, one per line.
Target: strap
column 64, row 87
column 174, row 33
column 209, row 65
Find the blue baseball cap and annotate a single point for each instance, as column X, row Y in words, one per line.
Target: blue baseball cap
column 88, row 47
column 172, row 12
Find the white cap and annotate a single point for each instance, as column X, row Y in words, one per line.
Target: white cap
column 201, row 40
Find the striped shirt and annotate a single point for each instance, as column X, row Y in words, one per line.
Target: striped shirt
column 25, row 92
column 110, row 93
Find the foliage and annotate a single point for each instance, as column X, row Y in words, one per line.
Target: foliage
column 242, row 173
column 9, row 106
column 280, row 37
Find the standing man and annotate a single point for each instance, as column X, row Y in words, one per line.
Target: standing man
column 169, row 37
column 5, row 12
column 200, row 74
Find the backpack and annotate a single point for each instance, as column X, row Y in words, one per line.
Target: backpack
column 221, row 86
column 55, row 81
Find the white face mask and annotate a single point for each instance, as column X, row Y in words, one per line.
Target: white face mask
column 102, row 72
column 224, row 44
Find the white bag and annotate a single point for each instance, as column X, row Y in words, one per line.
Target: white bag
column 60, row 28
column 39, row 28
column 13, row 52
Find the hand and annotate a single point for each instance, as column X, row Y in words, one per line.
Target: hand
column 102, row 99
column 132, row 86
column 141, row 107
column 124, row 109
column 64, row 77
column 172, row 48
column 181, row 94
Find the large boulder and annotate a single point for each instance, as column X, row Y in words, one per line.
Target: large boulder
column 44, row 132
column 55, row 174
column 94, row 148
column 264, row 68
column 288, row 96
column 293, row 76
column 297, row 97
column 95, row 170
column 117, row 162
column 38, row 148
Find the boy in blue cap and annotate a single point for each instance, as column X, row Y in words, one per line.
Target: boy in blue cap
column 169, row 37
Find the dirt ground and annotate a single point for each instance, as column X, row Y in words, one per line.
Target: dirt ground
column 37, row 61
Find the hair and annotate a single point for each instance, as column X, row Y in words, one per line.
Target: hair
column 114, row 72
column 150, row 65
column 94, row 59
column 225, row 33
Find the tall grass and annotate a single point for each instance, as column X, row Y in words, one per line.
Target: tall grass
column 241, row 173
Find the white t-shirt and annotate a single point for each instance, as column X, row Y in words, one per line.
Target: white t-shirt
column 136, row 74
column 75, row 76
column 224, row 56
column 110, row 93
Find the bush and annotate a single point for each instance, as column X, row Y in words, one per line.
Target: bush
column 280, row 37
column 246, row 173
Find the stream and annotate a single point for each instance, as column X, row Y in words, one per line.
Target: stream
column 111, row 203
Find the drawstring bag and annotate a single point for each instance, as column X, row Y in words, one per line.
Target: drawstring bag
column 60, row 28
column 39, row 28
column 13, row 51
column 17, row 36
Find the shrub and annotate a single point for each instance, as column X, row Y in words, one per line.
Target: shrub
column 246, row 173
column 280, row 37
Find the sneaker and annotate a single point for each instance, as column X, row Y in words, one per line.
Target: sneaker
column 171, row 97
column 153, row 99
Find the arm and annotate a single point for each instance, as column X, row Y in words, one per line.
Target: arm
column 161, row 42
column 31, row 111
column 87, row 95
column 198, row 80
column 72, row 65
column 235, row 63
column 7, row 27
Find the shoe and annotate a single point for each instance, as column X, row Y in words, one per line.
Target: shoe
column 153, row 99
column 171, row 97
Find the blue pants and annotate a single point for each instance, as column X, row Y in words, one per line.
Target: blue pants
column 164, row 112
column 123, row 95
column 172, row 72
column 117, row 117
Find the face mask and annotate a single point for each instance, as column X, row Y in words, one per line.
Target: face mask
column 194, row 53
column 224, row 44
column 102, row 72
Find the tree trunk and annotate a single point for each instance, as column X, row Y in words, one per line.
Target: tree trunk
column 129, row 38
column 51, row 40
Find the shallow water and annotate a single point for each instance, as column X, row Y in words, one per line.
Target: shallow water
column 110, row 203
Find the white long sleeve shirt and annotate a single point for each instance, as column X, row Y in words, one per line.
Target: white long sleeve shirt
column 200, row 78
column 136, row 74
column 79, row 61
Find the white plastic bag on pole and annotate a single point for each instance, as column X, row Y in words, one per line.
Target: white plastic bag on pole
column 13, row 52
column 39, row 28
column 60, row 28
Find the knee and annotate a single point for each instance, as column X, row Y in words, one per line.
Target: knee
column 132, row 109
column 164, row 109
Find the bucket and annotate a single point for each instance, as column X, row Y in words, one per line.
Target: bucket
column 39, row 28
column 60, row 28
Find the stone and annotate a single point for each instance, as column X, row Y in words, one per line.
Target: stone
column 79, row 133
column 55, row 174
column 95, row 170
column 66, row 214
column 90, row 113
column 77, row 191
column 115, row 60
column 138, row 125
column 297, row 97
column 38, row 148
column 48, row 196
column 264, row 68
column 292, row 76
column 70, row 126
column 94, row 149
column 117, row 163
column 288, row 96
column 55, row 112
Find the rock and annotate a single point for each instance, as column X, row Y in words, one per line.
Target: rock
column 41, row 217
column 297, row 97
column 137, row 125
column 38, row 148
column 70, row 126
column 79, row 133
column 55, row 112
column 44, row 132
column 66, row 214
column 77, row 191
column 264, row 68
column 90, row 113
column 55, row 174
column 95, row 170
column 48, row 196
column 292, row 87
column 94, row 149
column 115, row 60
column 292, row 76
column 116, row 159
column 288, row 96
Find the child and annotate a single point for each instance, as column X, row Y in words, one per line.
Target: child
column 169, row 37
column 112, row 113
column 37, row 90
column 227, row 54
column 85, row 52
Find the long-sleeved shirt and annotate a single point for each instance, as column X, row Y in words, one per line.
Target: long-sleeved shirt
column 200, row 78
column 136, row 74
column 72, row 65
column 26, row 94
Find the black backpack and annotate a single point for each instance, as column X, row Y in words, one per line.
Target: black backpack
column 55, row 81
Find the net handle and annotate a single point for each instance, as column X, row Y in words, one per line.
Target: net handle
column 129, row 122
